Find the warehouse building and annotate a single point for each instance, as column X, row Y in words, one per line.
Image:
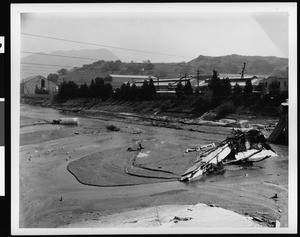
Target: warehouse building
column 33, row 84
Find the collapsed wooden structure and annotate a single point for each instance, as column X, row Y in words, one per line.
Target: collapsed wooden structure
column 280, row 132
column 250, row 146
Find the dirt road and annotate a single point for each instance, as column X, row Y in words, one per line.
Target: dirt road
column 51, row 196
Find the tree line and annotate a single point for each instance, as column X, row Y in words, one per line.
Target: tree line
column 100, row 88
column 132, row 92
column 97, row 89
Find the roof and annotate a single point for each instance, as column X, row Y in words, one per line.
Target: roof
column 132, row 76
column 235, row 76
column 32, row 77
column 169, row 82
column 277, row 78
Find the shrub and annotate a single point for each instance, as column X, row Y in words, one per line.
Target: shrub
column 202, row 105
column 112, row 128
column 225, row 109
column 41, row 91
column 165, row 106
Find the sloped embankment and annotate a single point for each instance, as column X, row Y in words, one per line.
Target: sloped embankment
column 159, row 161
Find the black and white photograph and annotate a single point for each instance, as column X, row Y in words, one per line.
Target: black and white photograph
column 153, row 118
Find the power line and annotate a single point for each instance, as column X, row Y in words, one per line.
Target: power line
column 102, row 45
column 48, row 65
column 157, row 64
column 57, row 55
column 38, row 70
column 25, row 66
column 33, row 67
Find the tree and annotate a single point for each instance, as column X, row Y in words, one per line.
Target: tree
column 72, row 89
column 179, row 88
column 197, row 91
column 188, row 88
column 62, row 92
column 123, row 91
column 99, row 88
column 133, row 92
column 117, row 94
column 99, row 81
column 93, row 91
column 145, row 90
column 68, row 90
column 260, row 87
column 248, row 87
column 226, row 87
column 152, row 89
column 107, row 92
column 237, row 89
column 53, row 77
column 83, row 90
column 215, row 84
column 62, row 71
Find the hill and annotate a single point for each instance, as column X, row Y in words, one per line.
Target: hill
column 255, row 65
column 77, row 60
column 230, row 64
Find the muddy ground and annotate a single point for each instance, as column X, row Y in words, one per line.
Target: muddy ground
column 70, row 174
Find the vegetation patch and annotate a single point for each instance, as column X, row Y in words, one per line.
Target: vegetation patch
column 225, row 109
column 112, row 128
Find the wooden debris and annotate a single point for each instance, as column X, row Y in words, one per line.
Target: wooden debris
column 176, row 219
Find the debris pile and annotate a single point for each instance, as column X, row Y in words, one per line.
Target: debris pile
column 280, row 133
column 242, row 147
column 176, row 219
column 112, row 128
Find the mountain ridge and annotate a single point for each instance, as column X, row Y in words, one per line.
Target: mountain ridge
column 77, row 61
column 228, row 64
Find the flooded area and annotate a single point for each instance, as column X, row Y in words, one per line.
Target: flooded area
column 73, row 174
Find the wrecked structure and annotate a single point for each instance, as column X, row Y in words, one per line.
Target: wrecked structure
column 242, row 147
column 280, row 132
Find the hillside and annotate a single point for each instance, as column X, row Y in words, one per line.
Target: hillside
column 256, row 65
column 84, row 71
column 231, row 64
column 77, row 60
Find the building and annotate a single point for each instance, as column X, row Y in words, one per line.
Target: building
column 167, row 85
column 236, row 79
column 283, row 82
column 29, row 85
column 118, row 80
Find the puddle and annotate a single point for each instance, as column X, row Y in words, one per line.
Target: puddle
column 143, row 154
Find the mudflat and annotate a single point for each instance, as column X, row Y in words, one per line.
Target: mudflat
column 72, row 175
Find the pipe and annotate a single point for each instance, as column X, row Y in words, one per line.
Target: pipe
column 66, row 121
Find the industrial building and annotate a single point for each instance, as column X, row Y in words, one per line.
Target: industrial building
column 118, row 80
column 30, row 84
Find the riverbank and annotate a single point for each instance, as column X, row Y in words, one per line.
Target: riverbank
column 51, row 196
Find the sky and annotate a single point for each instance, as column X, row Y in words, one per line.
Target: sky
column 182, row 35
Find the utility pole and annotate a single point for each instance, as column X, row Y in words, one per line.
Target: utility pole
column 198, row 74
column 243, row 71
